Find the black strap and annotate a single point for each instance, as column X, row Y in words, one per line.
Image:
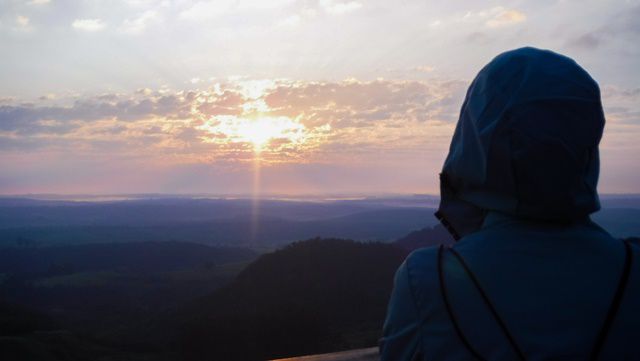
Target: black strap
column 615, row 303
column 447, row 304
column 492, row 308
column 602, row 335
column 454, row 321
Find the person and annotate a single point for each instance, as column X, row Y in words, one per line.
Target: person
column 531, row 277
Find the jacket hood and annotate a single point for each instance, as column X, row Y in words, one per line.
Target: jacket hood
column 526, row 143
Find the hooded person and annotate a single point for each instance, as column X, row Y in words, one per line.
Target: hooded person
column 531, row 276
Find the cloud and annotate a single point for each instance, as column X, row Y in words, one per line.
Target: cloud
column 262, row 5
column 295, row 120
column 139, row 25
column 298, row 18
column 142, row 3
column 586, row 41
column 478, row 37
column 496, row 17
column 353, row 103
column 23, row 23
column 625, row 22
column 424, row 69
column 621, row 105
column 27, row 117
column 39, row 2
column 348, row 123
column 500, row 17
column 481, row 20
column 293, row 20
column 339, row 7
column 330, row 117
column 89, row 25
column 623, row 26
column 205, row 10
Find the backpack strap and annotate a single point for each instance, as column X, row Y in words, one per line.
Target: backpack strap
column 447, row 304
column 485, row 298
column 491, row 306
column 615, row 303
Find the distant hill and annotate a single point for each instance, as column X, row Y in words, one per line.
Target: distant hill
column 267, row 232
column 231, row 222
column 25, row 212
column 309, row 297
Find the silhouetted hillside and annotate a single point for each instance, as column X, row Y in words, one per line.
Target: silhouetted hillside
column 19, row 320
column 313, row 296
column 426, row 237
column 26, row 334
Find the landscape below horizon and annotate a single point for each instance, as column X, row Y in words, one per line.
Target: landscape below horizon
column 166, row 277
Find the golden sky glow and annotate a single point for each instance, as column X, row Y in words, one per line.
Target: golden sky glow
column 259, row 131
column 344, row 136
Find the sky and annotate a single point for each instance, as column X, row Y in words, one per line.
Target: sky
column 282, row 96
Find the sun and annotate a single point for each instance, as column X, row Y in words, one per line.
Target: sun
column 262, row 130
column 259, row 131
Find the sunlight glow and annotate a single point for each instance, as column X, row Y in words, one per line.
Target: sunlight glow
column 257, row 131
column 262, row 130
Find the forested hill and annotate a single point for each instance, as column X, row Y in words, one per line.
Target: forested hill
column 310, row 297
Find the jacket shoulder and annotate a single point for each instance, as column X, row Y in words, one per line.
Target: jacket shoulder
column 422, row 272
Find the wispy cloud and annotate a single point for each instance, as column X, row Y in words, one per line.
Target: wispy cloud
column 505, row 17
column 292, row 20
column 338, row 7
column 624, row 26
column 585, row 41
column 205, row 10
column 139, row 24
column 424, row 68
column 23, row 23
column 496, row 17
column 89, row 25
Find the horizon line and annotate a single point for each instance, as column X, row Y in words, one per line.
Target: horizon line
column 230, row 196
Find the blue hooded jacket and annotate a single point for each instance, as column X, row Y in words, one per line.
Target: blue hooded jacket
column 517, row 189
